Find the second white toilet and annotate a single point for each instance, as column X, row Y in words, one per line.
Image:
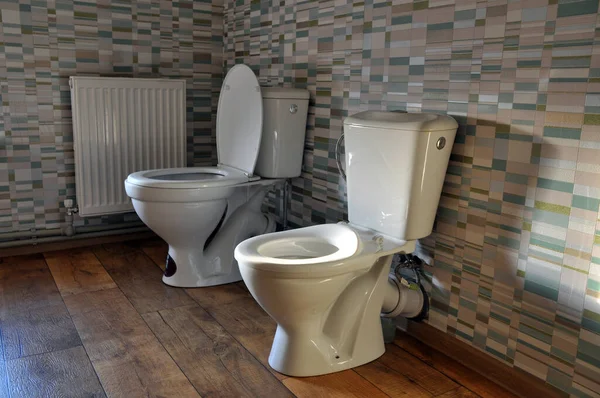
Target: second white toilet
column 326, row 285
column 204, row 212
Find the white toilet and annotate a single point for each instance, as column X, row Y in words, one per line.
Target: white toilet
column 204, row 212
column 327, row 285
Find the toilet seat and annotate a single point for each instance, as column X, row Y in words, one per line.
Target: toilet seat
column 326, row 249
column 189, row 177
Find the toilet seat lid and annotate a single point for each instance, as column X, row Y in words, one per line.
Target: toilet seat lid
column 239, row 120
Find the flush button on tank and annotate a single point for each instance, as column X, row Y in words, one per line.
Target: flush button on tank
column 441, row 143
column 293, row 108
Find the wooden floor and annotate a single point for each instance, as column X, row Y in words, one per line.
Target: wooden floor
column 98, row 321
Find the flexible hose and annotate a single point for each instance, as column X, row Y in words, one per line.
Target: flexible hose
column 338, row 146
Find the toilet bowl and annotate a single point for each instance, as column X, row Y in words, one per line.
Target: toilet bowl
column 186, row 212
column 204, row 212
column 327, row 285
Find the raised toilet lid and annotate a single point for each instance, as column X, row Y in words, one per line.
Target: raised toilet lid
column 239, row 119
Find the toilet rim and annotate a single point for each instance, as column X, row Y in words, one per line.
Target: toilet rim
column 227, row 176
column 328, row 248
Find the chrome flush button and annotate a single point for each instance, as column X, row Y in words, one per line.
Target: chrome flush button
column 293, row 108
column 441, row 143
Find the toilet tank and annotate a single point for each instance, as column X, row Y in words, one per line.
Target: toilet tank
column 284, row 128
column 395, row 166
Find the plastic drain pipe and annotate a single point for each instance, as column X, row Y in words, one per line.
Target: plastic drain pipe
column 400, row 300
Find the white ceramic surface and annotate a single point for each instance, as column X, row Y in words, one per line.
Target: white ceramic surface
column 204, row 212
column 324, row 286
column 186, row 218
column 239, row 119
column 284, row 129
column 395, row 176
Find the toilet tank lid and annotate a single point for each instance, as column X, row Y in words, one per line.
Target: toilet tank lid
column 284, row 93
column 402, row 121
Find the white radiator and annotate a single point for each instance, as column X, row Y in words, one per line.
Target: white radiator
column 123, row 125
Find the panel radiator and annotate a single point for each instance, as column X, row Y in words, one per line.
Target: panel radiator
column 123, row 125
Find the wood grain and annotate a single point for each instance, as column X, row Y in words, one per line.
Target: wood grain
column 127, row 357
column 460, row 392
column 334, row 385
column 3, row 380
column 66, row 373
column 467, row 377
column 416, row 370
column 210, row 357
column 26, row 284
column 33, row 318
column 390, row 381
column 157, row 250
column 140, row 279
column 77, row 271
column 477, row 363
column 38, row 331
column 69, row 244
column 236, row 310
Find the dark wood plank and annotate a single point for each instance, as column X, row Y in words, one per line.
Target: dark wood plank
column 342, row 384
column 66, row 373
column 26, row 284
column 140, row 279
column 416, row 370
column 479, row 371
column 157, row 251
column 78, row 242
column 236, row 310
column 3, row 380
column 211, row 358
column 126, row 355
column 390, row 381
column 38, row 331
column 77, row 271
column 460, row 392
column 33, row 318
column 456, row 371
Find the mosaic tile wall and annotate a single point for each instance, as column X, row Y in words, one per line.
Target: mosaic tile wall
column 43, row 42
column 516, row 251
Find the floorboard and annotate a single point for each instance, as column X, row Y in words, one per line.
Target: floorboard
column 26, row 284
column 140, row 279
column 143, row 338
column 33, row 317
column 451, row 368
column 37, row 331
column 77, row 271
column 66, row 373
column 342, row 384
column 210, row 357
column 236, row 310
column 157, row 251
column 3, row 380
column 126, row 355
column 390, row 381
column 417, row 371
